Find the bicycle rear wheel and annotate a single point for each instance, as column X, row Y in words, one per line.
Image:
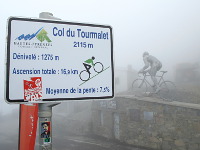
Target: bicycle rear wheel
column 167, row 91
column 139, row 87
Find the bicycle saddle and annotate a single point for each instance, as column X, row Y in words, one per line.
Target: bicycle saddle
column 163, row 71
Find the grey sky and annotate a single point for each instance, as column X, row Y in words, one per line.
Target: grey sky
column 168, row 29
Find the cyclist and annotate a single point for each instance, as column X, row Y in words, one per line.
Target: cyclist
column 155, row 65
column 88, row 64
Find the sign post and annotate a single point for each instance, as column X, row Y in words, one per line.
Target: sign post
column 45, row 126
column 50, row 60
column 45, row 111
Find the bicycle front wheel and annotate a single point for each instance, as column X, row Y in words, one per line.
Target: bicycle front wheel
column 98, row 67
column 139, row 87
column 84, row 75
column 167, row 91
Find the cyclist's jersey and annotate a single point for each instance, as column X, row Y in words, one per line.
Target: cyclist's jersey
column 90, row 61
column 153, row 61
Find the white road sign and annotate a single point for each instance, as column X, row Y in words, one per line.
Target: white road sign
column 51, row 60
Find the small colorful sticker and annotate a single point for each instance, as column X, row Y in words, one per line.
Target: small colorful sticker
column 47, row 140
column 33, row 89
column 46, row 131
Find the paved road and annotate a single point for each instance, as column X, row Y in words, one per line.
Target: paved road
column 86, row 143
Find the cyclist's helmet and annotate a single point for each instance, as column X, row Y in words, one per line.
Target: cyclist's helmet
column 145, row 53
column 93, row 57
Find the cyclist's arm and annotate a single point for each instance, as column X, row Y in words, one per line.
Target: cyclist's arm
column 146, row 65
column 92, row 63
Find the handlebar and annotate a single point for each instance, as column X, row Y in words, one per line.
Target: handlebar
column 142, row 73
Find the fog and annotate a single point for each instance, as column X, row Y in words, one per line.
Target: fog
column 68, row 118
column 168, row 30
column 9, row 130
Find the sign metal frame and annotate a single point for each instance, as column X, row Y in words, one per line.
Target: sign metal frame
column 46, row 21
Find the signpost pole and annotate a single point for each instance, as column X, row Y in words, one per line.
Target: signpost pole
column 45, row 110
column 45, row 125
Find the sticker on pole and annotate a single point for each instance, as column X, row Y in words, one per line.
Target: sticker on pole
column 45, row 132
column 50, row 60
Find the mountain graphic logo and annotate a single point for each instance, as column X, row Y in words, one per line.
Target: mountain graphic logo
column 41, row 35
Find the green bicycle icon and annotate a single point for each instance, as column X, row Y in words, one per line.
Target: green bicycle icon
column 88, row 64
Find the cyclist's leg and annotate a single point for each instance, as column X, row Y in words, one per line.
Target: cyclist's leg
column 87, row 67
column 153, row 70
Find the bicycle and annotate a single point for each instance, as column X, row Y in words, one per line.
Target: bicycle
column 142, row 86
column 85, row 74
